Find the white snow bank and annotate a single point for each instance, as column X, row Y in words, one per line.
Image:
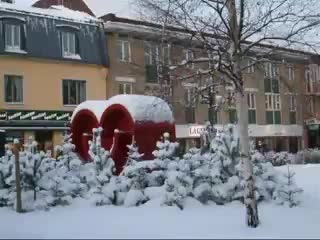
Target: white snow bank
column 82, row 220
column 141, row 108
column 54, row 11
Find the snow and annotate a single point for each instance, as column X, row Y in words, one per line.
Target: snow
column 58, row 12
column 82, row 220
column 141, row 108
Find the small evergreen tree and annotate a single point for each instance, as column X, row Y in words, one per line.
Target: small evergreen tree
column 164, row 155
column 7, row 178
column 66, row 151
column 33, row 167
column 104, row 191
column 178, row 186
column 288, row 192
column 136, row 171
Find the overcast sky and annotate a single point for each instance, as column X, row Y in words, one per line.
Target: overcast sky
column 99, row 7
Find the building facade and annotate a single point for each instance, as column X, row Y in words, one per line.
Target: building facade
column 50, row 61
column 278, row 90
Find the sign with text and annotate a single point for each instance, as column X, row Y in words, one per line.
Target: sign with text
column 195, row 131
column 30, row 115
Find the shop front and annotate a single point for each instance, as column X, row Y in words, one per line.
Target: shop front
column 272, row 137
column 45, row 127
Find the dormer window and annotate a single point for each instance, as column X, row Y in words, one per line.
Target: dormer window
column 13, row 37
column 69, row 45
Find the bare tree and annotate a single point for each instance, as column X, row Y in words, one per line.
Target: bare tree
column 233, row 31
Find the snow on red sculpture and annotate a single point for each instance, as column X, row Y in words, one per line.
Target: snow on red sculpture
column 122, row 117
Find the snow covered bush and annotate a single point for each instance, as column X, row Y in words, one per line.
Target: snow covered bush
column 278, row 158
column 66, row 152
column 7, row 178
column 178, row 186
column 136, row 171
column 103, row 183
column 312, row 156
column 288, row 193
column 165, row 153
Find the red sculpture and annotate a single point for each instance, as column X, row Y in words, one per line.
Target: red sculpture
column 122, row 118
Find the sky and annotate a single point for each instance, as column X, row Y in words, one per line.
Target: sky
column 99, row 7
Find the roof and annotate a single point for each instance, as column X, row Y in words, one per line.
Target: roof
column 78, row 5
column 58, row 12
column 113, row 22
column 141, row 108
column 98, row 7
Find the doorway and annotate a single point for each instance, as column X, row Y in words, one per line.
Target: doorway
column 44, row 140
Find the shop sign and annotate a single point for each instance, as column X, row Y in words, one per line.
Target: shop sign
column 195, row 131
column 29, row 115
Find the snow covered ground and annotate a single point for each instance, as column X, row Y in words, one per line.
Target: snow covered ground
column 152, row 221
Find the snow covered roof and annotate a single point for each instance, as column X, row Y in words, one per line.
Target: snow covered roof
column 141, row 108
column 58, row 12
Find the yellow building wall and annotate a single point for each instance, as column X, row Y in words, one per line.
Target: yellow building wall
column 42, row 82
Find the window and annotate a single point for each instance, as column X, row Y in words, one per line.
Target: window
column 189, row 57
column 311, row 105
column 74, row 92
column 252, row 119
column 290, row 73
column 190, row 102
column 69, row 44
column 308, row 80
column 151, row 57
column 273, row 108
column 271, row 70
column 124, row 48
column 125, row 88
column 13, row 89
column 271, row 85
column 166, row 58
column 272, row 94
column 250, row 66
column 13, row 36
column 292, row 109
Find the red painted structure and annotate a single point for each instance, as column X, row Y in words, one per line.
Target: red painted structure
column 120, row 126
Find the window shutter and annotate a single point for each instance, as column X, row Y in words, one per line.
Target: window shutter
column 77, row 43
column 23, row 37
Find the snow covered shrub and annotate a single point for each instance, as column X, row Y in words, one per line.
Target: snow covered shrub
column 312, row 156
column 280, row 158
column 103, row 183
column 7, row 177
column 66, row 151
column 225, row 159
column 177, row 186
column 34, row 166
column 288, row 192
column 198, row 167
column 266, row 177
column 136, row 172
column 165, row 153
column 56, row 187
